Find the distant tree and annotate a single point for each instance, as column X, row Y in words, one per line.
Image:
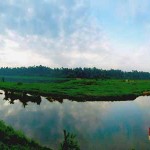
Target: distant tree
column 93, row 73
column 3, row 79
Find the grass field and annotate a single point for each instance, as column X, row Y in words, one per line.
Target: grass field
column 84, row 88
column 32, row 79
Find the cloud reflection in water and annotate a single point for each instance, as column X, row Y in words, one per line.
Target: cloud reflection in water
column 105, row 125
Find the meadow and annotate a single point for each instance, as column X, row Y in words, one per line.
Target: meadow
column 83, row 89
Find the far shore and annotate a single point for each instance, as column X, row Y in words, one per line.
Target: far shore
column 84, row 89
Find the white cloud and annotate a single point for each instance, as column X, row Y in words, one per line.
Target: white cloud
column 86, row 46
column 69, row 34
column 15, row 52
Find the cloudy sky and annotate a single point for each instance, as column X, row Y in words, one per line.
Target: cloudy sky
column 75, row 33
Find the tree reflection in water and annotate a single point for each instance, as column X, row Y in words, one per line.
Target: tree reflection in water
column 23, row 97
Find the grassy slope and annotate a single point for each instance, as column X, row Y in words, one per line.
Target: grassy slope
column 15, row 140
column 84, row 87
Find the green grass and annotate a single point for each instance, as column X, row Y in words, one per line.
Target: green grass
column 33, row 79
column 84, row 88
column 15, row 140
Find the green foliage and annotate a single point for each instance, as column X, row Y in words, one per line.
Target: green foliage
column 69, row 142
column 15, row 140
column 94, row 73
column 83, row 88
column 19, row 83
column 3, row 80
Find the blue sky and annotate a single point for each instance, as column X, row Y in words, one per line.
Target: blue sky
column 75, row 33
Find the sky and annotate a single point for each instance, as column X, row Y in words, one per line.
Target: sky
column 110, row 34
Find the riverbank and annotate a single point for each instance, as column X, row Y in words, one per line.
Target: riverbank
column 11, row 139
column 84, row 89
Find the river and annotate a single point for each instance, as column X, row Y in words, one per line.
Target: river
column 97, row 125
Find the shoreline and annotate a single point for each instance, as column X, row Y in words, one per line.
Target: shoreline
column 78, row 98
column 83, row 90
column 16, row 139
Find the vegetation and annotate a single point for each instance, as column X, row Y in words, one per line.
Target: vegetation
column 15, row 140
column 84, row 89
column 73, row 73
column 77, row 84
column 32, row 79
column 69, row 142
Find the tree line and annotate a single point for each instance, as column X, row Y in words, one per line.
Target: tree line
column 73, row 72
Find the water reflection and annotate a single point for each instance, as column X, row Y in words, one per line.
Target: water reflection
column 51, row 99
column 98, row 125
column 24, row 98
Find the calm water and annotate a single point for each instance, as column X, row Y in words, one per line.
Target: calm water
column 98, row 125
